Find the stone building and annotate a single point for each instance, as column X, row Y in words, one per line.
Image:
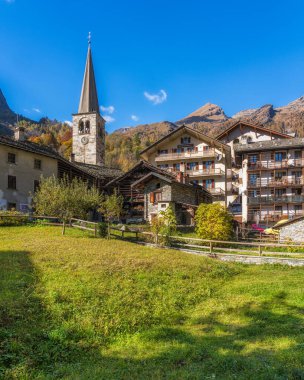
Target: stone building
column 161, row 191
column 292, row 230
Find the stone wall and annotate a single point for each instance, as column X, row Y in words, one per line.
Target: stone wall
column 293, row 231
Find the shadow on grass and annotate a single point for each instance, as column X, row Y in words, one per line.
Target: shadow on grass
column 30, row 349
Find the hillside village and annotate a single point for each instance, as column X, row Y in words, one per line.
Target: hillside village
column 254, row 171
column 153, row 230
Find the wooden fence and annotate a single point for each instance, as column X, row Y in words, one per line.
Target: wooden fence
column 218, row 246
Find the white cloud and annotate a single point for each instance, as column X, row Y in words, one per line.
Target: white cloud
column 108, row 110
column 36, row 110
column 156, row 98
column 134, row 117
column 68, row 122
column 109, row 119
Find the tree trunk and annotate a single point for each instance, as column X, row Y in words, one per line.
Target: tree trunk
column 63, row 227
column 109, row 230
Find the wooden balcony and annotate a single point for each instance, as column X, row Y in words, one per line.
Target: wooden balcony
column 274, row 216
column 217, row 191
column 205, row 172
column 275, row 199
column 279, row 182
column 185, row 155
column 271, row 164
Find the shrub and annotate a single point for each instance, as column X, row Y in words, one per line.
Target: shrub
column 13, row 218
column 102, row 229
column 213, row 222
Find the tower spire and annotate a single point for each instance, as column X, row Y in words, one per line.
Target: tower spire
column 89, row 99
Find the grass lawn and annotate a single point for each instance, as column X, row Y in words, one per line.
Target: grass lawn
column 76, row 307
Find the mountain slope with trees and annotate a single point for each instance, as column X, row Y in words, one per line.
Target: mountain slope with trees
column 124, row 145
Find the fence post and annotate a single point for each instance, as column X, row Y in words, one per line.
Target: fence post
column 95, row 230
column 260, row 250
column 211, row 247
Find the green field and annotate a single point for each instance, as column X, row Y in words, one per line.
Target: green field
column 76, row 307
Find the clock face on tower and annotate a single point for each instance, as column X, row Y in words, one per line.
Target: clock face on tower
column 84, row 140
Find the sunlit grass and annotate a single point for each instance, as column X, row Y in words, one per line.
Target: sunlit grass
column 77, row 307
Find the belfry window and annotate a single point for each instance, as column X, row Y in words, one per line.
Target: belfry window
column 87, row 126
column 81, row 127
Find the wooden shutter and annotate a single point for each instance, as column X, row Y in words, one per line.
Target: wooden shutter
column 152, row 198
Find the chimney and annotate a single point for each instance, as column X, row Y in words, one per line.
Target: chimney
column 72, row 158
column 19, row 134
column 180, row 177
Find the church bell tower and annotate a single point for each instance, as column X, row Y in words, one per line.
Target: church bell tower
column 88, row 124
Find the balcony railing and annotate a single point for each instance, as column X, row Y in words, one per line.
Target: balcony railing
column 274, row 216
column 205, row 172
column 276, row 199
column 271, row 164
column 185, row 155
column 279, row 182
column 217, row 191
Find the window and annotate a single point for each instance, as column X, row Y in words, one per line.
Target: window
column 280, row 156
column 253, row 159
column 11, row 158
column 163, row 151
column 11, row 206
column 297, row 154
column 192, row 166
column 155, row 197
column 81, row 127
column 253, row 179
column 37, row 164
column 249, row 140
column 186, row 140
column 208, row 165
column 206, row 148
column 11, row 182
column 236, row 141
column 87, row 126
column 36, row 185
column 163, row 166
column 176, row 167
column 208, row 183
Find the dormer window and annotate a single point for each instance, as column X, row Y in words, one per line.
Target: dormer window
column 81, row 127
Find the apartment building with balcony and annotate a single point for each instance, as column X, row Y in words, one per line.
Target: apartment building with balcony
column 202, row 160
column 257, row 140
column 273, row 180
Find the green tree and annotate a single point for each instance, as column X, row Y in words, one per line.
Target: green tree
column 111, row 208
column 213, row 222
column 65, row 199
column 164, row 224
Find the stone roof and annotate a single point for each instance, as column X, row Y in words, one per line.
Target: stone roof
column 101, row 172
column 30, row 147
column 296, row 142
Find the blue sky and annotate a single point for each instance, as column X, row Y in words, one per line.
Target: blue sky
column 181, row 54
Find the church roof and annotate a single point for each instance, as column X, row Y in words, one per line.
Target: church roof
column 89, row 99
column 101, row 172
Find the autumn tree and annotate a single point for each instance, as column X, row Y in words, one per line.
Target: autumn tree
column 111, row 208
column 213, row 222
column 65, row 199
